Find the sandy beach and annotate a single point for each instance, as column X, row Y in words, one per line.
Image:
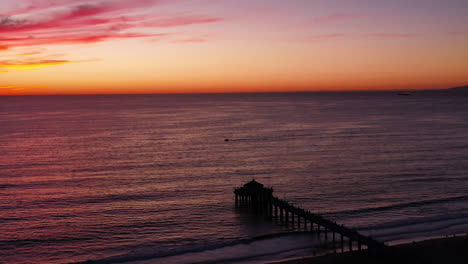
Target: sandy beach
column 443, row 250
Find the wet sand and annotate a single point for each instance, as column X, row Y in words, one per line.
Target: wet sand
column 451, row 250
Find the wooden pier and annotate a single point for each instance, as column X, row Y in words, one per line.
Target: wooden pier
column 254, row 197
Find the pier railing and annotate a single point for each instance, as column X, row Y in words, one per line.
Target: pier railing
column 258, row 199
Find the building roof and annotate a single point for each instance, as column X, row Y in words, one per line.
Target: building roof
column 253, row 185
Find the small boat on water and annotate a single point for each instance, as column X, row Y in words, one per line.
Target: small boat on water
column 403, row 93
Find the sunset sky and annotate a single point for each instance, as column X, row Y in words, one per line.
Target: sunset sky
column 174, row 46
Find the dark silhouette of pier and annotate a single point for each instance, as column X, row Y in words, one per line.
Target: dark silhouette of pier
column 253, row 196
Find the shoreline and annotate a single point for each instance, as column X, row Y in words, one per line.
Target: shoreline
column 439, row 250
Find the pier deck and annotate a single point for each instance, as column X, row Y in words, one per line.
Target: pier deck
column 259, row 199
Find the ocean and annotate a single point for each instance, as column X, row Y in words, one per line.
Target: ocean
column 139, row 179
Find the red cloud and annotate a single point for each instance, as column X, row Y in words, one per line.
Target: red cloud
column 73, row 38
column 45, row 22
column 71, row 21
column 26, row 7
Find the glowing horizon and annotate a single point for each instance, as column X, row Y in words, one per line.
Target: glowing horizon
column 199, row 46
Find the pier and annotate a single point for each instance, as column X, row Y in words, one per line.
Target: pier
column 253, row 196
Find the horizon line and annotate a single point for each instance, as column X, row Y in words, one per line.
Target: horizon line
column 238, row 92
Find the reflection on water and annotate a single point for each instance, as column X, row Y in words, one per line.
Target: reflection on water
column 92, row 177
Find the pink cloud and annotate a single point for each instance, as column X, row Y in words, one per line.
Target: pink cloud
column 22, row 7
column 193, row 39
column 52, row 22
column 325, row 36
column 31, row 53
column 337, row 18
column 457, row 33
column 38, row 62
column 181, row 21
column 190, row 40
column 395, row 35
column 72, row 21
column 373, row 35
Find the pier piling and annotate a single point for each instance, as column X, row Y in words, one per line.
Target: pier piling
column 256, row 198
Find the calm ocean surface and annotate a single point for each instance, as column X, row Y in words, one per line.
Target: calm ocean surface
column 148, row 178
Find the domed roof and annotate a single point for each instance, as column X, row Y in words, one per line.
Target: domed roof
column 253, row 185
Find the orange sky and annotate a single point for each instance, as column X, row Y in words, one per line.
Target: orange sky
column 157, row 46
